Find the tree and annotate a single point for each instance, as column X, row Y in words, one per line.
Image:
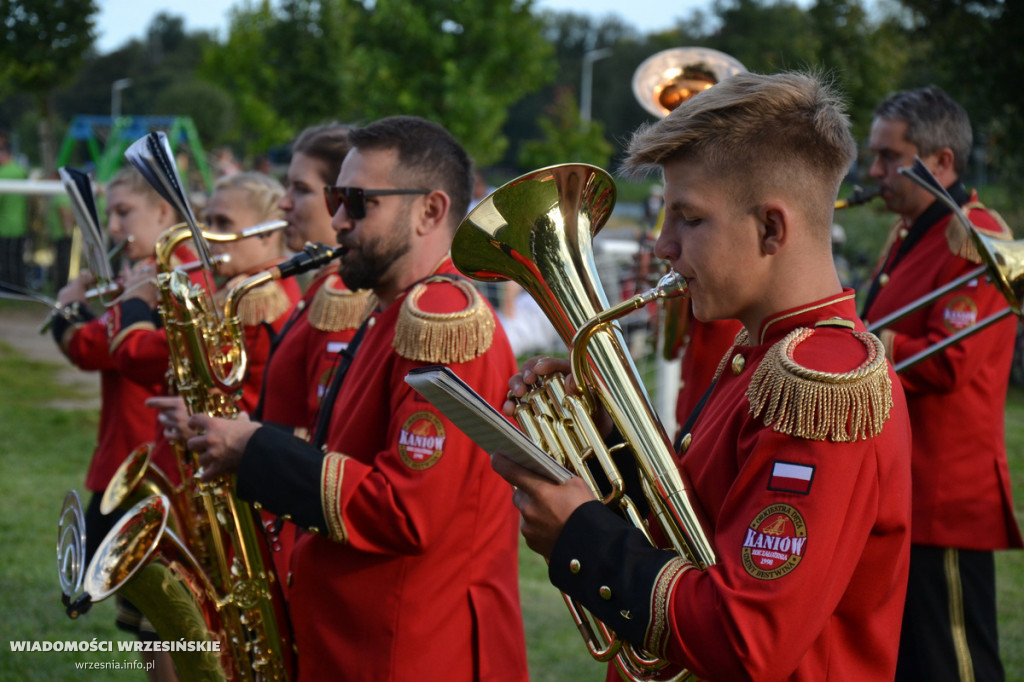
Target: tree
column 972, row 49
column 42, row 45
column 462, row 64
column 566, row 138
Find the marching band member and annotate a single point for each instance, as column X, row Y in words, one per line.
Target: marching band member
column 963, row 508
column 413, row 550
column 136, row 215
column 806, row 499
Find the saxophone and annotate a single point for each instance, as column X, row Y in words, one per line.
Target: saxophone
column 137, row 477
column 219, row 584
column 537, row 231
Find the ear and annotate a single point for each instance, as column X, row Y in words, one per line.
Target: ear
column 773, row 221
column 434, row 212
column 943, row 166
column 169, row 216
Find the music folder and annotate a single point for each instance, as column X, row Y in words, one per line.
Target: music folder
column 484, row 425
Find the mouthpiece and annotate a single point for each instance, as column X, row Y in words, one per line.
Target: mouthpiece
column 670, row 285
column 859, row 196
column 314, row 255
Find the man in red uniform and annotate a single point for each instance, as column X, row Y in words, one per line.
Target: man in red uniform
column 410, row 572
column 962, row 505
column 800, row 458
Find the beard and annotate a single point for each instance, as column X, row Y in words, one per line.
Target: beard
column 366, row 264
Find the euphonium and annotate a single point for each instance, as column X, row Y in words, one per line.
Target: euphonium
column 537, row 230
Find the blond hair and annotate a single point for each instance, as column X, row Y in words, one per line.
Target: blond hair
column 759, row 134
column 130, row 177
column 264, row 192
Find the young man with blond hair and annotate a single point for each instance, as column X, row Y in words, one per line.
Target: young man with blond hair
column 799, row 459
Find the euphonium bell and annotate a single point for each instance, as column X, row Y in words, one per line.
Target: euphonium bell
column 538, row 231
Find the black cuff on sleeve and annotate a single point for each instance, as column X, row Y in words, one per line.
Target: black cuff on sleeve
column 135, row 311
column 608, row 566
column 71, row 314
column 282, row 474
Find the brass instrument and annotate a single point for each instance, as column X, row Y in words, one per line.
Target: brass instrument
column 233, row 593
column 137, row 477
column 1002, row 263
column 537, row 231
column 224, row 560
column 859, row 196
column 668, row 78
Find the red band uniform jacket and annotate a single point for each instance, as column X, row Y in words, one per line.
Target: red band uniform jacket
column 304, row 356
column 956, row 398
column 125, row 422
column 315, row 330
column 800, row 461
column 411, row 573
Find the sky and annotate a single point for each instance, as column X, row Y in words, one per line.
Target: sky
column 122, row 20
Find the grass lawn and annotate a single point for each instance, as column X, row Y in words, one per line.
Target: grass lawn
column 44, row 452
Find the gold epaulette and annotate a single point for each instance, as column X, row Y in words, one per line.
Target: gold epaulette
column 335, row 310
column 962, row 245
column 816, row 405
column 264, row 304
column 443, row 338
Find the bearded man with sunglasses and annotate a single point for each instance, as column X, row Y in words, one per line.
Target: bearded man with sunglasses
column 412, row 546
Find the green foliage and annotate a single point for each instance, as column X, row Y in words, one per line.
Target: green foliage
column 972, row 48
column 244, row 66
column 566, row 138
column 461, row 64
column 42, row 41
column 211, row 108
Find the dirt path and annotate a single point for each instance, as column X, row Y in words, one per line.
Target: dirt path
column 19, row 328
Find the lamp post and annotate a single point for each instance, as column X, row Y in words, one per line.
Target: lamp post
column 115, row 96
column 587, row 86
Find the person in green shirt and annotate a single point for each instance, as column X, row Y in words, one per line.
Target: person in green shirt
column 13, row 221
column 60, row 226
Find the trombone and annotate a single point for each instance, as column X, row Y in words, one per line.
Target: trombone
column 1002, row 262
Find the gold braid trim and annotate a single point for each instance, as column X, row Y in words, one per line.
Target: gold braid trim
column 962, row 245
column 335, row 310
column 659, row 629
column 816, row 405
column 331, row 474
column 263, row 304
column 742, row 339
column 443, row 338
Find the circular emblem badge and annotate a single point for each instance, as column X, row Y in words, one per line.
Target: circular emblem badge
column 421, row 440
column 960, row 313
column 775, row 542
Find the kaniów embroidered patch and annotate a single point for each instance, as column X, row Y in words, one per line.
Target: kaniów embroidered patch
column 775, row 542
column 960, row 313
column 421, row 440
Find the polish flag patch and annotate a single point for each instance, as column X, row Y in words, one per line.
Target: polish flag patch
column 788, row 477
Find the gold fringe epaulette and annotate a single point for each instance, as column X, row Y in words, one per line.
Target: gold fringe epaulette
column 816, row 405
column 444, row 338
column 263, row 304
column 962, row 245
column 335, row 310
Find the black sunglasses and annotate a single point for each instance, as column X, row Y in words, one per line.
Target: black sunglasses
column 354, row 198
